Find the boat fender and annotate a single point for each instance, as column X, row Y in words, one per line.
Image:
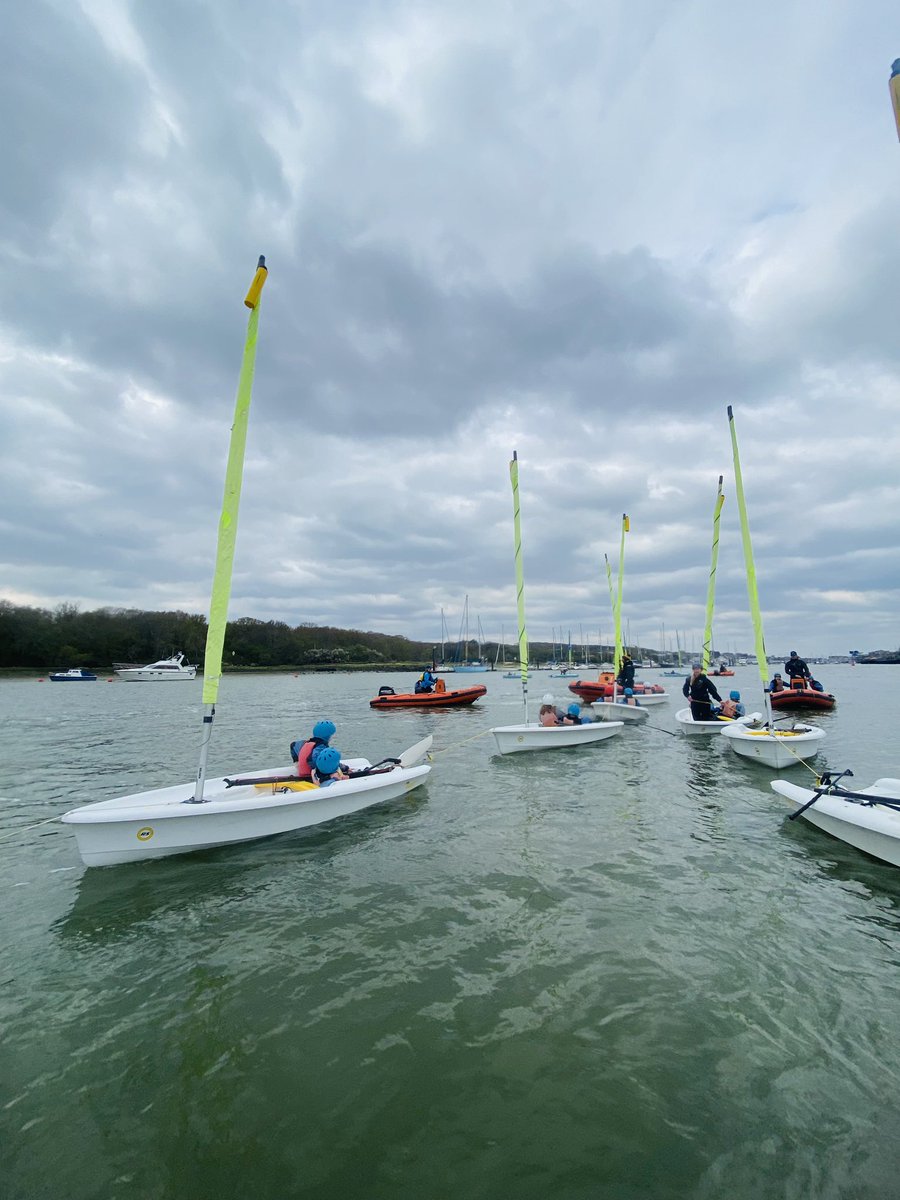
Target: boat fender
column 386, row 691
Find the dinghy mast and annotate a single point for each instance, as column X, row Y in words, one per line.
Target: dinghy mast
column 520, row 579
column 234, row 473
column 752, row 591
column 711, row 589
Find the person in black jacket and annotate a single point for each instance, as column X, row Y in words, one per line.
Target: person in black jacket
column 701, row 693
column 625, row 678
column 796, row 667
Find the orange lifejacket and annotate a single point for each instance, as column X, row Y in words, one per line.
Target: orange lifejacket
column 304, row 766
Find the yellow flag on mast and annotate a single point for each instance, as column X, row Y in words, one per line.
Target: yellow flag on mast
column 711, row 589
column 234, row 473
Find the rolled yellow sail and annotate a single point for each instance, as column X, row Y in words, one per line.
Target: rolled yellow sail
column 221, row 589
column 752, row 592
column 520, row 575
column 625, row 528
column 711, row 588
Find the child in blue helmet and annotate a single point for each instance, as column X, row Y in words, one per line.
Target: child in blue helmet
column 628, row 697
column 732, row 707
column 305, row 753
column 573, row 716
column 327, row 767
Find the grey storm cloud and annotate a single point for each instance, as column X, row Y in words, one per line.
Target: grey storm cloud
column 560, row 231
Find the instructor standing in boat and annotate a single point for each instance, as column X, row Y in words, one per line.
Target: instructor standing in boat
column 701, row 694
column 796, row 667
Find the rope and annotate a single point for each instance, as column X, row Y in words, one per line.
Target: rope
column 27, row 828
column 455, row 745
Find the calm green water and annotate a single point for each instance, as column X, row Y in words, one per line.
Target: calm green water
column 615, row 972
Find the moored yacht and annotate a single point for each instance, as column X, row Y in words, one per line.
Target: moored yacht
column 164, row 668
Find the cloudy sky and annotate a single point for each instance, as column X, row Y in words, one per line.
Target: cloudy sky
column 579, row 229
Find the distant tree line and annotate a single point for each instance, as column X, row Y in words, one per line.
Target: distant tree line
column 66, row 637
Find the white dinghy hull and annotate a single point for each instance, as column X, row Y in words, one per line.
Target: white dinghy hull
column 607, row 711
column 777, row 748
column 688, row 725
column 513, row 739
column 648, row 699
column 873, row 829
column 158, row 823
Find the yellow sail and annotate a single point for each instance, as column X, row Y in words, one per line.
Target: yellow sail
column 752, row 593
column 221, row 589
column 711, row 589
column 618, row 614
column 520, row 578
column 612, row 595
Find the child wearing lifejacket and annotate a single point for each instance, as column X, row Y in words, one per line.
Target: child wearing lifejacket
column 732, row 707
column 306, row 753
column 547, row 716
column 327, row 767
column 628, row 697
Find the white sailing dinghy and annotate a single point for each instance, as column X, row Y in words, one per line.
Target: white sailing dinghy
column 605, row 710
column 218, row 812
column 531, row 735
column 756, row 737
column 868, row 819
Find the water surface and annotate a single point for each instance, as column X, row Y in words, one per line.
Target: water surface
column 612, row 972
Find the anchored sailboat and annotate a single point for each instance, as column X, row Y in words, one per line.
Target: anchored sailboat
column 531, row 735
column 172, row 820
column 755, row 737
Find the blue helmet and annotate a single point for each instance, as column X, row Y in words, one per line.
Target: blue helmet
column 574, row 711
column 324, row 730
column 327, row 761
column 734, row 695
column 629, row 691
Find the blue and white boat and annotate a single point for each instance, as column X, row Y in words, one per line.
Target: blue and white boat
column 73, row 675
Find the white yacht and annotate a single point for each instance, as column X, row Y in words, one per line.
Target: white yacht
column 165, row 668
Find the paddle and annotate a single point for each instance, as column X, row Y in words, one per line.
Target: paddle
column 825, row 783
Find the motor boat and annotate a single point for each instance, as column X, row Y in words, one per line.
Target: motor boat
column 73, row 675
column 801, row 694
column 441, row 697
column 164, row 668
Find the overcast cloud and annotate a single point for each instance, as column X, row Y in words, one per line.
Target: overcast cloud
column 579, row 231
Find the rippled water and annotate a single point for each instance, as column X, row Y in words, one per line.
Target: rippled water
column 612, row 972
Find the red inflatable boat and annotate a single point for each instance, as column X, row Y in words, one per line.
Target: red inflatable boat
column 602, row 689
column 801, row 695
column 441, row 697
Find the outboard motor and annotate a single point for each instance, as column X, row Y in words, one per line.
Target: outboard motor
column 386, row 691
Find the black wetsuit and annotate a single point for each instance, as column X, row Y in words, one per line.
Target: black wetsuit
column 701, row 694
column 626, row 675
column 797, row 668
